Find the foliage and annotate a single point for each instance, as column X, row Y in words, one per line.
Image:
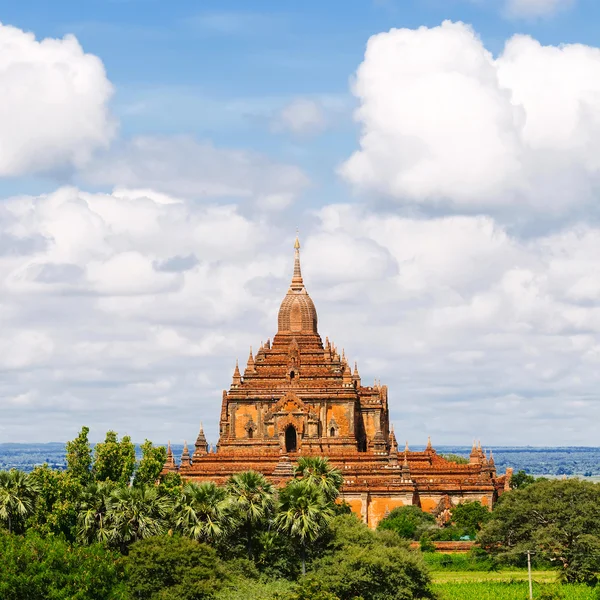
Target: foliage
column 558, row 520
column 375, row 572
column 137, row 513
column 151, row 464
column 251, row 501
column 521, row 480
column 171, row 485
column 79, row 457
column 173, row 568
column 120, row 516
column 426, row 544
column 304, row 512
column 470, row 516
column 317, row 471
column 57, row 500
column 202, row 512
column 467, row 562
column 409, row 522
column 37, row 568
column 114, row 460
column 18, row 493
column 456, row 458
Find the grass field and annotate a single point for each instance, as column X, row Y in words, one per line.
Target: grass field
column 512, row 576
column 518, row 590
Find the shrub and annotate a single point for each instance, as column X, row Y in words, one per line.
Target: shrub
column 165, row 568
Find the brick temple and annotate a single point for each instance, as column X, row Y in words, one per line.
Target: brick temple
column 298, row 396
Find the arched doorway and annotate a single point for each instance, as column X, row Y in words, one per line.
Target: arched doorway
column 291, row 441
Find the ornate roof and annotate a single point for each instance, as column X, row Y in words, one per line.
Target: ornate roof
column 297, row 313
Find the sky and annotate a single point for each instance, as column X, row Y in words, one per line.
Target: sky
column 440, row 159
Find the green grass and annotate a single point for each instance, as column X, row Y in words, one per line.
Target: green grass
column 511, row 591
column 503, row 576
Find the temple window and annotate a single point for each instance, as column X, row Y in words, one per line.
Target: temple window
column 332, row 432
column 291, row 441
column 250, row 433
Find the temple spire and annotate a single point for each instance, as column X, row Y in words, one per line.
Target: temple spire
column 237, row 377
column 297, row 281
column 201, row 443
column 185, row 455
column 170, row 464
column 250, row 365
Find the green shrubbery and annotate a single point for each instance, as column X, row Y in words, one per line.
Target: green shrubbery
column 111, row 528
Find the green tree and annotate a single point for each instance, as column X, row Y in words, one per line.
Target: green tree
column 137, row 513
column 303, row 513
column 201, row 512
column 57, row 502
column 456, row 458
column 318, row 472
column 114, row 460
column 18, row 494
column 251, row 503
column 38, row 568
column 94, row 520
column 558, row 520
column 521, row 480
column 470, row 516
column 171, row 485
column 173, row 568
column 151, row 464
column 373, row 572
column 79, row 457
column 409, row 522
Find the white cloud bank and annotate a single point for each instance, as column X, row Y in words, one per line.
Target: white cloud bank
column 128, row 310
column 53, row 106
column 301, row 116
column 536, row 8
column 444, row 121
column 185, row 167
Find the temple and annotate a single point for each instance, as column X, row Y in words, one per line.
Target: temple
column 299, row 396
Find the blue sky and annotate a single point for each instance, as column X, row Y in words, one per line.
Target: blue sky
column 219, row 70
column 445, row 184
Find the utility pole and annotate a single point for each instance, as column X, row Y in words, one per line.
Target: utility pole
column 529, row 573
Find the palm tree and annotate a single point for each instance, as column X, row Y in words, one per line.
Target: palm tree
column 318, row 472
column 137, row 513
column 18, row 493
column 200, row 512
column 303, row 513
column 94, row 518
column 251, row 502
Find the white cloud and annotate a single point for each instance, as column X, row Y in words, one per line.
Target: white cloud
column 54, row 105
column 444, row 121
column 301, row 116
column 184, row 167
column 129, row 304
column 536, row 8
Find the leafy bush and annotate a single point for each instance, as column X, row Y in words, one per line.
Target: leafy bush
column 165, row 568
column 36, row 568
column 409, row 522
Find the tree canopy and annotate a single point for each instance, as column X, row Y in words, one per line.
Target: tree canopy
column 559, row 521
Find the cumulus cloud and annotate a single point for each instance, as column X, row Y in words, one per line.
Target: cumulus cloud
column 536, row 8
column 301, row 116
column 129, row 309
column 184, row 167
column 443, row 121
column 54, row 106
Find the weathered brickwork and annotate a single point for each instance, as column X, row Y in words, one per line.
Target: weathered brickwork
column 299, row 396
